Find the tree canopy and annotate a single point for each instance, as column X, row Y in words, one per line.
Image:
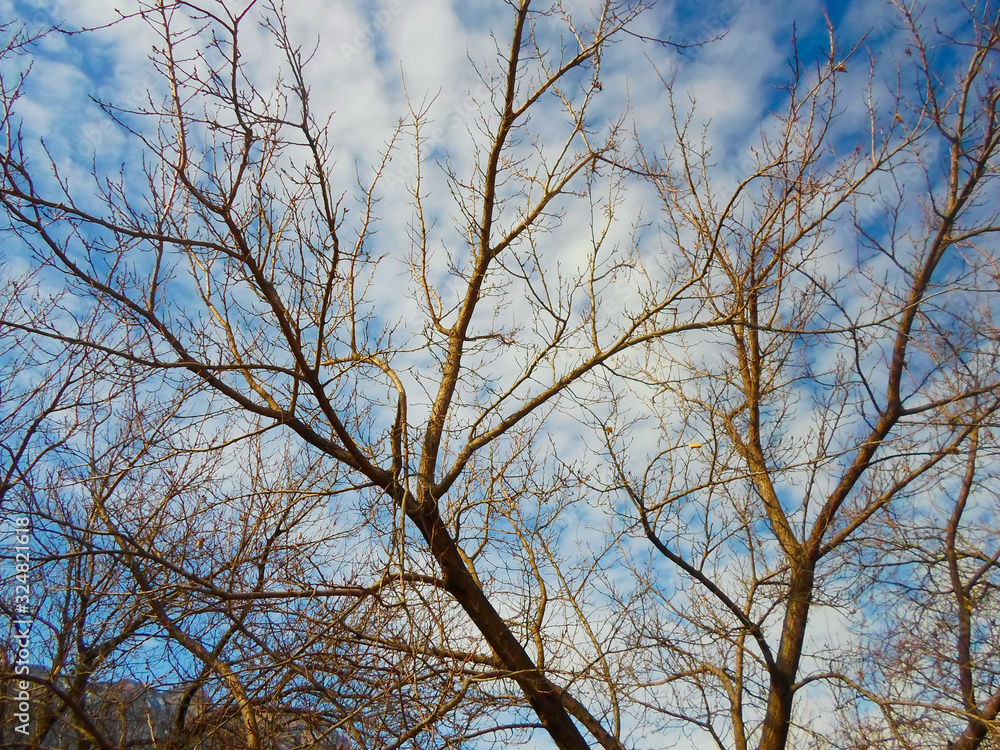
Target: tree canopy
column 553, row 374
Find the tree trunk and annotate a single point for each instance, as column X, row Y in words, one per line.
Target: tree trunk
column 543, row 696
column 777, row 720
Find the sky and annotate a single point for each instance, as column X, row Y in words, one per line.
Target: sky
column 373, row 64
column 370, row 57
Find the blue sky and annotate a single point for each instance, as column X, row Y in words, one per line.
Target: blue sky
column 366, row 51
column 374, row 64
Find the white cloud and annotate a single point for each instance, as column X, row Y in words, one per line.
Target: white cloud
column 363, row 55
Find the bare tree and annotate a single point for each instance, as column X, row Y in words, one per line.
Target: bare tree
column 805, row 448
column 322, row 510
column 283, row 333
